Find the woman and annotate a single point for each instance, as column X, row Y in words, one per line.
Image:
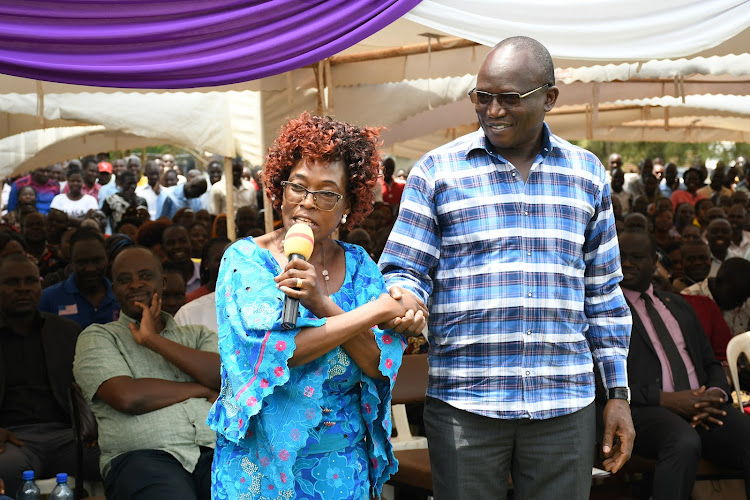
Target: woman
column 26, row 205
column 73, row 202
column 305, row 413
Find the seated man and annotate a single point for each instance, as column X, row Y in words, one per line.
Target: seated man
column 150, row 383
column 36, row 371
column 679, row 403
column 86, row 296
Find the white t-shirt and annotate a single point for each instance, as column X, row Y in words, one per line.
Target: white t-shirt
column 77, row 208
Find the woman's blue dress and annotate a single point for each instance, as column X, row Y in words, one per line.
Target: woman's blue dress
column 320, row 430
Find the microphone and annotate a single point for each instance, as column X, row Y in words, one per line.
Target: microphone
column 298, row 244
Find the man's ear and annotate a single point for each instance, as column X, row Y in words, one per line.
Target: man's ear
column 551, row 98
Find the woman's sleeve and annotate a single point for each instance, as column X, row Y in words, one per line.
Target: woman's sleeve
column 376, row 394
column 255, row 351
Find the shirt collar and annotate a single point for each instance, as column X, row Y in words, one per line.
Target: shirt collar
column 634, row 296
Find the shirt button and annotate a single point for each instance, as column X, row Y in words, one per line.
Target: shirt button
column 513, row 174
column 528, row 372
column 528, row 252
column 192, row 420
column 528, row 332
column 528, row 294
column 525, row 212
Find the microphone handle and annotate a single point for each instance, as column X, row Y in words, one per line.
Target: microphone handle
column 289, row 313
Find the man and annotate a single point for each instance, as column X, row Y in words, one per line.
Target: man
column 740, row 244
column 125, row 202
column 168, row 163
column 173, row 297
column 175, row 241
column 615, row 161
column 215, row 171
column 391, row 188
column 730, row 289
column 718, row 236
column 680, row 404
column 716, row 189
column 57, row 224
column 692, row 180
column 243, row 193
column 46, row 189
column 671, row 182
column 510, row 231
column 150, row 384
column 205, row 199
column 36, row 371
column 113, row 185
column 658, row 169
column 185, row 195
column 152, row 192
column 34, row 231
column 743, row 172
column 696, row 262
column 637, row 185
column 625, row 197
column 90, row 174
column 86, row 295
column 105, row 173
column 135, row 166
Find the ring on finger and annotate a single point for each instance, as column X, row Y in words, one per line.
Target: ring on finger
column 299, row 282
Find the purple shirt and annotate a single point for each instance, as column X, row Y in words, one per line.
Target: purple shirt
column 639, row 306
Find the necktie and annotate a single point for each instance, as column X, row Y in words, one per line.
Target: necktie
column 676, row 365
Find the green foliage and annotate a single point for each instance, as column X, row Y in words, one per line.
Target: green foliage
column 682, row 154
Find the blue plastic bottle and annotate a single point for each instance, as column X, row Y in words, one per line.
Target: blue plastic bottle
column 62, row 491
column 28, row 490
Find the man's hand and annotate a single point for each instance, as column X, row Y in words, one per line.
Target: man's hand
column 149, row 319
column 617, row 424
column 415, row 319
column 696, row 406
column 6, row 435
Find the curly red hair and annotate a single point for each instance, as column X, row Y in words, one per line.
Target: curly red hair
column 321, row 138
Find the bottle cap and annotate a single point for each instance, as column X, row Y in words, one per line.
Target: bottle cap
column 62, row 477
column 28, row 475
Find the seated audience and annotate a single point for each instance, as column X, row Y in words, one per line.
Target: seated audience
column 692, row 180
column 696, row 264
column 86, row 296
column 739, row 246
column 680, row 405
column 34, row 232
column 198, row 237
column 245, row 221
column 116, row 206
column 150, row 384
column 57, row 224
column 64, row 250
column 36, row 372
column 718, row 236
column 26, row 205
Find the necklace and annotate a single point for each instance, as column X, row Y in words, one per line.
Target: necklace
column 325, row 271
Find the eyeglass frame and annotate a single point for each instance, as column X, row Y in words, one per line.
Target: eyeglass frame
column 499, row 96
column 314, row 194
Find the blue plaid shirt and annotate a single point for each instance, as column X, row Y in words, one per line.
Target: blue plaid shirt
column 522, row 276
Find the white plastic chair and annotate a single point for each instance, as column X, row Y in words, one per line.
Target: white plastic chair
column 739, row 344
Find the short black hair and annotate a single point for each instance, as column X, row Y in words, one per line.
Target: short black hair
column 539, row 51
column 18, row 258
column 638, row 230
column 86, row 234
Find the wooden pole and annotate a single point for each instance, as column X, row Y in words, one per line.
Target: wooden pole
column 231, row 231
column 443, row 43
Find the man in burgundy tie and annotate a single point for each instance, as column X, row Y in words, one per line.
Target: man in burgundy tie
column 679, row 391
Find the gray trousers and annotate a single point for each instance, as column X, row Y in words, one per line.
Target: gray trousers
column 47, row 450
column 472, row 455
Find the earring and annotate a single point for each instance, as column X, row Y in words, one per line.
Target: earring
column 343, row 219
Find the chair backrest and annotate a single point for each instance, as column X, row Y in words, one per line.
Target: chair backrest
column 411, row 383
column 739, row 344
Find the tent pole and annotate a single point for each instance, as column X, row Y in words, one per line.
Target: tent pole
column 231, row 231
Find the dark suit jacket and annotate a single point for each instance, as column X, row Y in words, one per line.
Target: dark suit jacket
column 644, row 368
column 59, row 337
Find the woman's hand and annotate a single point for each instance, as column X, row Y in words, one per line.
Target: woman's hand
column 299, row 280
column 413, row 321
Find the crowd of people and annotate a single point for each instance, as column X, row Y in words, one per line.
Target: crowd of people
column 530, row 258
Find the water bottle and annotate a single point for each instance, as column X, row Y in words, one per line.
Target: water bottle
column 62, row 491
column 28, row 490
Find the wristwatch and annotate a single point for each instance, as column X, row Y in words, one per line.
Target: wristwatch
column 619, row 393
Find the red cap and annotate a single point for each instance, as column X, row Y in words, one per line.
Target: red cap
column 105, row 166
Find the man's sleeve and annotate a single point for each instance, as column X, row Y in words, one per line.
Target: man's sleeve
column 214, row 202
column 97, row 360
column 413, row 248
column 207, row 341
column 166, row 208
column 605, row 307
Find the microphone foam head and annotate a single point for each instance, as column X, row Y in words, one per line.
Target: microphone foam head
column 299, row 239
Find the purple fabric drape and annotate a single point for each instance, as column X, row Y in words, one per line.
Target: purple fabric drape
column 180, row 43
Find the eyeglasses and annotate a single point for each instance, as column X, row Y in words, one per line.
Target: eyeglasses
column 504, row 99
column 323, row 200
